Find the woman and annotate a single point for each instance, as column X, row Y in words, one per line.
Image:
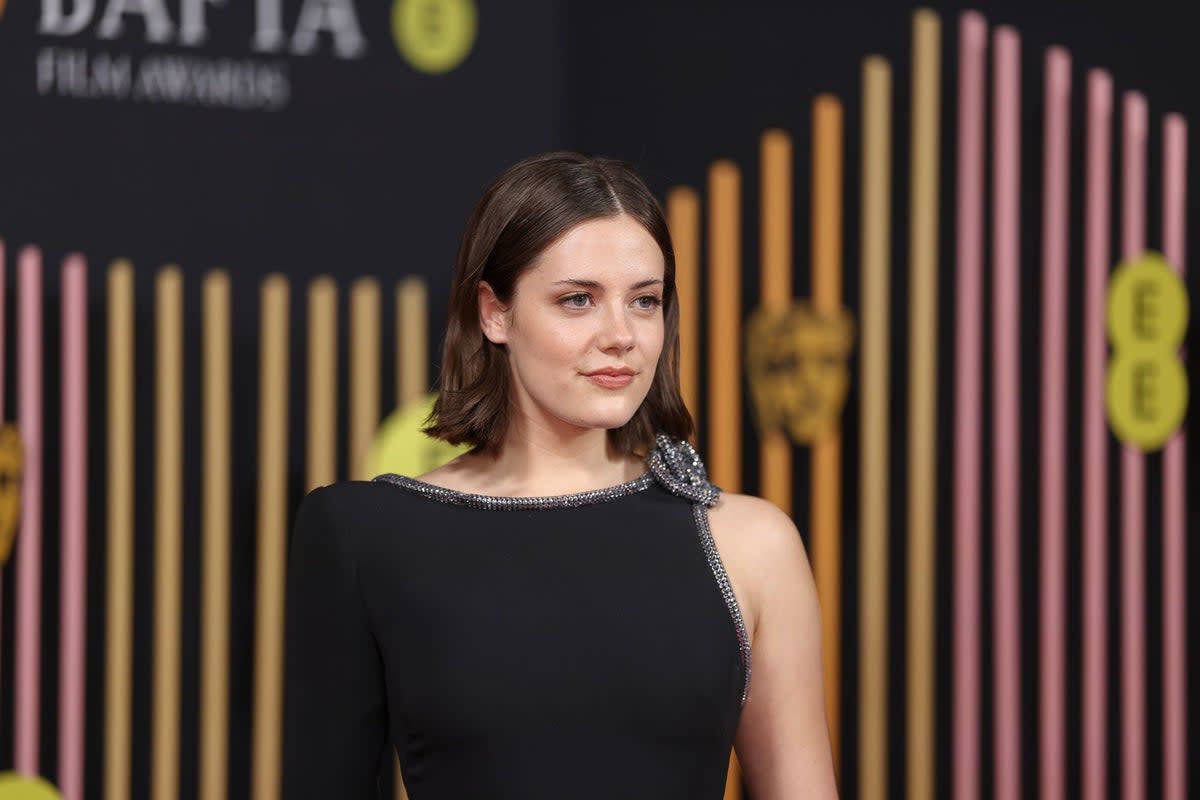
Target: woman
column 569, row 610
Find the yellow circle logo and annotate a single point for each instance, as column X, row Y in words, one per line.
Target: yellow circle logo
column 1147, row 305
column 434, row 35
column 400, row 446
column 1147, row 396
column 1146, row 390
column 14, row 786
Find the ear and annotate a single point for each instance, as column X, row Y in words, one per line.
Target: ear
column 493, row 315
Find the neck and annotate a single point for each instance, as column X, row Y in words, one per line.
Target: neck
column 539, row 459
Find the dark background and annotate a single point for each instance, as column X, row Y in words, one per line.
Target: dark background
column 372, row 169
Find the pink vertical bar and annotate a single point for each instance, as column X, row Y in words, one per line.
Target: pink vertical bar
column 1174, row 491
column 29, row 541
column 1006, row 238
column 1053, row 523
column 73, row 586
column 1097, row 212
column 1134, row 123
column 972, row 89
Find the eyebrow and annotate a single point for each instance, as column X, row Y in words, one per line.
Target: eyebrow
column 597, row 285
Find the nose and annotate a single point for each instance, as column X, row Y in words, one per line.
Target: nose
column 616, row 334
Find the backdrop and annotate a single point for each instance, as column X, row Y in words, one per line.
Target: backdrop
column 352, row 137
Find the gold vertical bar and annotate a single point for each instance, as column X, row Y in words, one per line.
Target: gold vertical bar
column 775, row 450
column 724, row 348
column 875, row 232
column 321, row 438
column 922, row 422
column 827, row 450
column 168, row 530
column 118, row 673
column 683, row 219
column 364, row 372
column 412, row 372
column 272, row 538
column 724, row 329
column 412, row 340
column 412, row 377
column 215, row 456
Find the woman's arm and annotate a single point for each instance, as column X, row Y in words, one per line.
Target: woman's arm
column 782, row 738
column 336, row 720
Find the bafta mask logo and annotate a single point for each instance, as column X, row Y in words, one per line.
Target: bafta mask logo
column 11, row 463
column 796, row 363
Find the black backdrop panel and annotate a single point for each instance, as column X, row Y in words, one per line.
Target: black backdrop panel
column 366, row 165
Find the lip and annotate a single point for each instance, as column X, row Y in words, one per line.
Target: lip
column 611, row 378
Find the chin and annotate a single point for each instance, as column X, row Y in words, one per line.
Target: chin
column 605, row 422
column 597, row 418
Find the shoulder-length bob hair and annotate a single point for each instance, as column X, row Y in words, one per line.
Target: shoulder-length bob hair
column 522, row 212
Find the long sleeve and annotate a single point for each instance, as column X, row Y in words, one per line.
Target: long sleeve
column 336, row 718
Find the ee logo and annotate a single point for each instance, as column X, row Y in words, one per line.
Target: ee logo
column 401, row 446
column 434, row 36
column 1146, row 391
column 14, row 786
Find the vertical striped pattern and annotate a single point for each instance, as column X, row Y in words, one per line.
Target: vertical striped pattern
column 215, row 516
column 874, row 483
column 321, row 433
column 1006, row 428
column 1174, row 597
column 118, row 672
column 272, row 539
column 922, row 396
column 827, row 448
column 1053, row 459
column 1094, row 695
column 72, row 646
column 26, row 675
column 683, row 218
column 1134, row 123
column 723, row 429
column 775, row 292
column 968, row 401
column 168, row 530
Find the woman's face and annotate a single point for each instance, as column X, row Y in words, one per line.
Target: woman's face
column 585, row 326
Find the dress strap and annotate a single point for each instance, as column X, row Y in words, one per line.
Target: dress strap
column 678, row 467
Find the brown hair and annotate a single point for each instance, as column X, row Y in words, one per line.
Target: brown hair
column 528, row 207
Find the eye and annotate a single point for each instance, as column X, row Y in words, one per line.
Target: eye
column 577, row 300
column 648, row 302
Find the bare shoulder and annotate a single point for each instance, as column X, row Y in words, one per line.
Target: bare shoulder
column 761, row 548
column 754, row 528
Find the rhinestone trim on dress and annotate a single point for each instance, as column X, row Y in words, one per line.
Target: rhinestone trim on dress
column 678, row 466
column 487, row 502
column 714, row 561
column 673, row 463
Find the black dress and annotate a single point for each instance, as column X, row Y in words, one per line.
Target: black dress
column 580, row 646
